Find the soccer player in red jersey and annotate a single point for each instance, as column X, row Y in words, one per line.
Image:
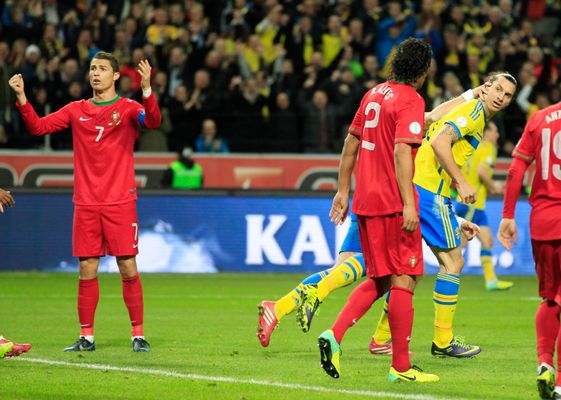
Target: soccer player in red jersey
column 386, row 131
column 104, row 129
column 541, row 142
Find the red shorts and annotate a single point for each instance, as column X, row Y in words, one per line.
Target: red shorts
column 387, row 249
column 547, row 256
column 100, row 230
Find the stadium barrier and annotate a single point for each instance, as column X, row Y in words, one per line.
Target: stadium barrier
column 220, row 231
column 36, row 169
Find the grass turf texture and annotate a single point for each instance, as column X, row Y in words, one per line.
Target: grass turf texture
column 205, row 325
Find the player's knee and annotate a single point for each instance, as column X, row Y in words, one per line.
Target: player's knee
column 88, row 268
column 127, row 266
column 487, row 242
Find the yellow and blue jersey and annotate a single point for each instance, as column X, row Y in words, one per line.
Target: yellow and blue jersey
column 468, row 120
column 485, row 156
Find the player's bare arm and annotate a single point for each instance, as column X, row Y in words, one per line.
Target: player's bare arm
column 340, row 207
column 492, row 186
column 17, row 85
column 507, row 234
column 442, row 146
column 6, row 199
column 403, row 159
column 145, row 71
column 441, row 110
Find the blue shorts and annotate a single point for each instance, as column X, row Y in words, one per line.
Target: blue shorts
column 439, row 226
column 471, row 214
column 352, row 240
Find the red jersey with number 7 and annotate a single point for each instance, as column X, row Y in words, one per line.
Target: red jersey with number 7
column 390, row 113
column 103, row 136
column 541, row 141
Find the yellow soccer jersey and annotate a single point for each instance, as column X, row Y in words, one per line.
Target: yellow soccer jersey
column 485, row 155
column 468, row 119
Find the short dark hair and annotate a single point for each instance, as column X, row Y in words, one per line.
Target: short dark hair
column 493, row 76
column 103, row 55
column 412, row 59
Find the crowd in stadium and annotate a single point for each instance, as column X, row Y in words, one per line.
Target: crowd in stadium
column 270, row 75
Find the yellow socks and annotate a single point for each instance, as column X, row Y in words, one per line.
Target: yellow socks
column 445, row 298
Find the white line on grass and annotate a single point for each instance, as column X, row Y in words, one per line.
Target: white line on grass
column 161, row 372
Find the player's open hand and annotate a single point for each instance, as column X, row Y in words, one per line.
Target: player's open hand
column 410, row 219
column 507, row 235
column 339, row 209
column 145, row 71
column 481, row 91
column 6, row 199
column 470, row 230
column 16, row 83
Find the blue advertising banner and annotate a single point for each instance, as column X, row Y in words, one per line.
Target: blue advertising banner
column 211, row 233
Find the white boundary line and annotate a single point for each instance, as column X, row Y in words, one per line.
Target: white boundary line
column 160, row 372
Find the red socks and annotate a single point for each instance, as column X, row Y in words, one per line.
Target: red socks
column 359, row 302
column 547, row 329
column 400, row 317
column 88, row 297
column 132, row 293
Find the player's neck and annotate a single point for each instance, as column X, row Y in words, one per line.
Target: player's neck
column 103, row 96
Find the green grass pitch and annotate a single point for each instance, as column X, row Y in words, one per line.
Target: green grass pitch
column 202, row 332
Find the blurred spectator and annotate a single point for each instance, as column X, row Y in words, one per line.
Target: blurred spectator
column 370, row 77
column 175, row 69
column 284, row 126
column 183, row 173
column 208, row 141
column 125, row 87
column 83, row 49
column 160, row 31
column 249, row 124
column 333, row 41
column 267, row 31
column 129, row 68
column 185, row 119
column 391, row 32
column 50, row 45
column 319, row 124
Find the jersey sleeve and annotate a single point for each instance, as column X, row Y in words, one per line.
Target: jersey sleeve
column 54, row 122
column 153, row 117
column 525, row 149
column 464, row 118
column 148, row 115
column 356, row 126
column 410, row 119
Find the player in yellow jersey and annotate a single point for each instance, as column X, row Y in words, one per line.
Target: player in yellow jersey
column 448, row 145
column 479, row 173
column 309, row 295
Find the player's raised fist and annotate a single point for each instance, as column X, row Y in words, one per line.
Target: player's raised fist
column 145, row 70
column 16, row 83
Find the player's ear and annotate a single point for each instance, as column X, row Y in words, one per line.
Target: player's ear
column 116, row 75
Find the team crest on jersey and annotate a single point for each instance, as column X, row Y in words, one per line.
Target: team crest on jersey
column 115, row 118
column 462, row 122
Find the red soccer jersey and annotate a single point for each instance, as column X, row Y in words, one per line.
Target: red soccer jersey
column 389, row 113
column 103, row 135
column 541, row 141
